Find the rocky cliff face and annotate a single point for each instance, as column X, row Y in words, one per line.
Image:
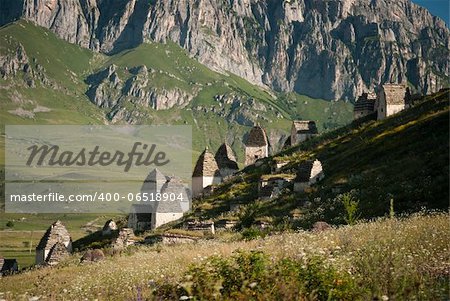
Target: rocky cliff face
column 18, row 63
column 326, row 49
column 122, row 96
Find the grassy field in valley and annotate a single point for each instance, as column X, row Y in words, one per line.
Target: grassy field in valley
column 17, row 240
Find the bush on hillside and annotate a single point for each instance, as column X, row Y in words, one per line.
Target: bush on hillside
column 253, row 275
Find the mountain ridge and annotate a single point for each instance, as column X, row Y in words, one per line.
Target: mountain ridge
column 330, row 50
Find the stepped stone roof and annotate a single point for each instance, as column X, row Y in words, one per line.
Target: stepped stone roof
column 206, row 165
column 57, row 232
column 176, row 188
column 154, row 181
column 257, row 137
column 225, row 157
column 395, row 93
column 57, row 253
column 305, row 126
column 365, row 102
column 152, row 184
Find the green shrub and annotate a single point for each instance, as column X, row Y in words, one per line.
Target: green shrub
column 248, row 215
column 10, row 224
column 253, row 233
column 254, row 276
column 351, row 206
column 282, row 224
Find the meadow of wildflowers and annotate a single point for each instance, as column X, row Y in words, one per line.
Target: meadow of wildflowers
column 405, row 258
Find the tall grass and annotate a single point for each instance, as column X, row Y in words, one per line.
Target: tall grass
column 394, row 258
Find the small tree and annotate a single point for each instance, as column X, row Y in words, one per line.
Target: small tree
column 10, row 224
column 351, row 206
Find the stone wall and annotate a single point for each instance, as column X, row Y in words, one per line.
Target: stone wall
column 177, row 239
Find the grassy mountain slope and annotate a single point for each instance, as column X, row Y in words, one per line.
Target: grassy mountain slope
column 173, row 68
column 66, row 68
column 404, row 157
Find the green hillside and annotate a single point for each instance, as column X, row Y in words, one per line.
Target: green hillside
column 173, row 68
column 59, row 73
column 61, row 99
column 403, row 158
column 53, row 91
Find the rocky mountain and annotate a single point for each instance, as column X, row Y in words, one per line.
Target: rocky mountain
column 332, row 49
column 107, row 90
column 46, row 80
